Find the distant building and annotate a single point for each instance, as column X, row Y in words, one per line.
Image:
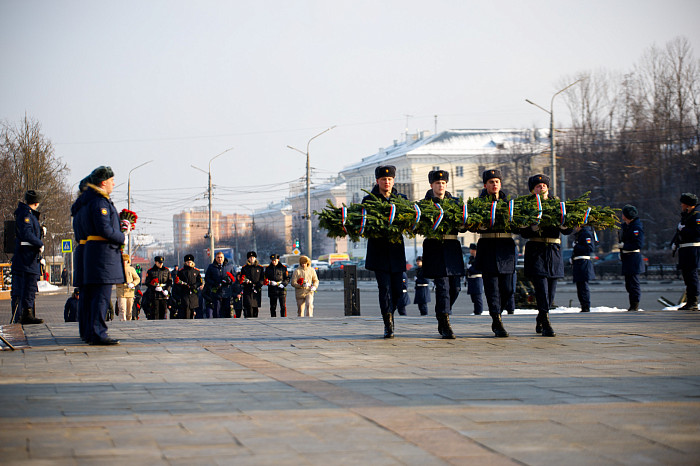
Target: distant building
column 190, row 227
column 276, row 218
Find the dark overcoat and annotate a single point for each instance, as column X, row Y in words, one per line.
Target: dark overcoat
column 442, row 257
column 382, row 254
column 422, row 288
column 252, row 295
column 543, row 259
column 158, row 277
column 583, row 246
column 27, row 240
column 277, row 273
column 632, row 237
column 189, row 280
column 217, row 281
column 495, row 255
column 475, row 283
column 76, row 211
column 689, row 256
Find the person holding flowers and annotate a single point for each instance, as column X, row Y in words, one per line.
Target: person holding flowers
column 159, row 284
column 252, row 279
column 305, row 282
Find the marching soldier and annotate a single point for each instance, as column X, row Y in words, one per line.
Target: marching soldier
column 253, row 277
column 278, row 278
column 159, row 284
column 475, row 284
column 582, row 265
column 189, row 281
column 631, row 241
column 688, row 244
column 422, row 297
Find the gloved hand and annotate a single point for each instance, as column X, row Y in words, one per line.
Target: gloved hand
column 273, row 283
column 680, row 226
column 280, row 285
column 674, row 246
column 43, row 230
column 43, row 262
column 620, row 245
column 41, row 250
column 312, row 289
column 165, row 292
column 534, row 227
column 126, row 226
column 130, row 286
column 159, row 288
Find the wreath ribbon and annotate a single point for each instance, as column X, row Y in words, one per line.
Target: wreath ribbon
column 493, row 212
column 511, row 209
column 417, row 210
column 392, row 213
column 585, row 218
column 465, row 213
column 344, row 214
column 539, row 207
column 562, row 207
column 439, row 219
column 364, row 221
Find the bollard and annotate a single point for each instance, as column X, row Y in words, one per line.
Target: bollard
column 351, row 292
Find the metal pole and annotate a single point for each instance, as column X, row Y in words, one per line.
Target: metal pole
column 309, row 244
column 211, row 232
column 128, row 201
column 552, row 152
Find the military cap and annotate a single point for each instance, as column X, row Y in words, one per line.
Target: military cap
column 32, row 197
column 472, row 246
column 689, row 199
column 488, row 174
column 158, row 259
column 419, row 258
column 537, row 179
column 101, row 174
column 630, row 212
column 189, row 257
column 251, row 254
column 274, row 256
column 438, row 175
column 385, row 170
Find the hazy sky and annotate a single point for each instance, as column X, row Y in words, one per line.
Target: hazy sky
column 123, row 82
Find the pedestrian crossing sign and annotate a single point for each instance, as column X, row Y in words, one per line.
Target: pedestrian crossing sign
column 66, row 246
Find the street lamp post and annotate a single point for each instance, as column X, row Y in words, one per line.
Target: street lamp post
column 128, row 201
column 552, row 146
column 308, row 191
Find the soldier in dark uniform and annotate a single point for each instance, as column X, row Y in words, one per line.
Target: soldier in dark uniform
column 543, row 260
column 631, row 241
column 103, row 265
column 25, row 267
column 218, row 282
column 422, row 297
column 475, row 284
column 80, row 240
column 278, row 278
column 190, row 284
column 688, row 244
column 495, row 257
column 159, row 283
column 582, row 265
column 442, row 258
column 404, row 300
column 253, row 277
column 386, row 259
column 70, row 309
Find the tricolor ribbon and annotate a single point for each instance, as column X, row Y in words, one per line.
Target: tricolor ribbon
column 417, row 210
column 585, row 219
column 539, row 207
column 465, row 213
column 493, row 212
column 595, row 236
column 364, row 221
column 439, row 219
column 392, row 213
column 344, row 214
column 562, row 207
column 511, row 209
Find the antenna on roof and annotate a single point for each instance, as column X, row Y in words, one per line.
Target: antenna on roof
column 407, row 117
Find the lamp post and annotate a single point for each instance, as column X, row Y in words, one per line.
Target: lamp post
column 552, row 146
column 210, row 232
column 308, row 191
column 128, row 201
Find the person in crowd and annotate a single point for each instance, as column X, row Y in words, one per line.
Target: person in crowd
column 582, row 265
column 631, row 241
column 278, row 278
column 103, row 266
column 64, row 277
column 26, row 267
column 386, row 259
column 70, row 310
column 218, row 282
column 422, row 296
column 475, row 284
column 159, row 285
column 126, row 290
column 404, row 301
column 688, row 244
column 543, row 259
column 189, row 283
column 495, row 257
column 442, row 258
column 305, row 283
column 237, row 296
column 253, row 278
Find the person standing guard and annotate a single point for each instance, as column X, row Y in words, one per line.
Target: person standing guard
column 422, row 297
column 77, row 211
column 253, row 277
column 25, row 268
column 495, row 257
column 582, row 266
column 278, row 278
column 688, row 242
column 443, row 261
column 159, row 283
column 386, row 259
column 103, row 266
column 543, row 260
column 631, row 241
column 190, row 284
column 475, row 284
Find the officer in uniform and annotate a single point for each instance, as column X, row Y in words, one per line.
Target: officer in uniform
column 189, row 281
column 582, row 266
column 475, row 284
column 442, row 258
column 159, row 283
column 422, row 297
column 386, row 259
column 631, row 241
column 25, row 267
column 80, row 240
column 543, row 260
column 253, row 277
column 688, row 244
column 218, row 283
column 495, row 257
column 103, row 266
column 278, row 278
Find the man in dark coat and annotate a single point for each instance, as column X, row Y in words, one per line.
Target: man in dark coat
column 80, row 240
column 442, row 258
column 582, row 266
column 543, row 260
column 386, row 259
column 631, row 241
column 218, row 282
column 70, row 310
column 422, row 297
column 495, row 257
column 688, row 244
column 25, row 267
column 475, row 284
column 159, row 283
column 103, row 265
column 253, row 278
column 278, row 278
column 189, row 283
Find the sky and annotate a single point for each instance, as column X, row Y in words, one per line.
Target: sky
column 121, row 83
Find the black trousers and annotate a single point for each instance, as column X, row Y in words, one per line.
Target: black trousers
column 545, row 289
column 99, row 297
column 446, row 293
column 633, row 287
column 160, row 307
column 584, row 294
column 282, row 299
column 499, row 291
column 390, row 286
column 690, row 277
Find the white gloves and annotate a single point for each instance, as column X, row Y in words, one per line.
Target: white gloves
column 165, row 292
column 130, row 285
column 43, row 262
column 280, row 285
column 41, row 250
column 159, row 288
column 680, row 226
column 312, row 289
column 273, row 283
column 43, row 230
column 620, row 245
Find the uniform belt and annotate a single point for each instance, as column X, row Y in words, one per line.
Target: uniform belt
column 421, row 284
column 478, row 275
column 578, row 258
column 496, row 235
column 684, row 245
column 545, row 240
column 628, row 252
column 450, row 237
column 25, row 243
column 96, row 238
column 82, row 241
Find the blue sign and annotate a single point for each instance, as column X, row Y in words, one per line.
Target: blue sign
column 66, row 246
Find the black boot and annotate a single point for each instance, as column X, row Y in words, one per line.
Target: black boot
column 497, row 326
column 29, row 319
column 634, row 306
column 538, row 324
column 547, row 330
column 444, row 327
column 388, row 325
column 690, row 305
column 585, row 308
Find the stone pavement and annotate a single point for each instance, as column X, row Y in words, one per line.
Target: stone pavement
column 618, row 388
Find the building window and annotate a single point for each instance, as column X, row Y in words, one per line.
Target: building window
column 459, row 170
column 436, row 168
column 460, row 193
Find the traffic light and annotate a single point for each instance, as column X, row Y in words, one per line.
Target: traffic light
column 296, row 243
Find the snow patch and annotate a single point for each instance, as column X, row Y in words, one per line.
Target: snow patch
column 46, row 286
